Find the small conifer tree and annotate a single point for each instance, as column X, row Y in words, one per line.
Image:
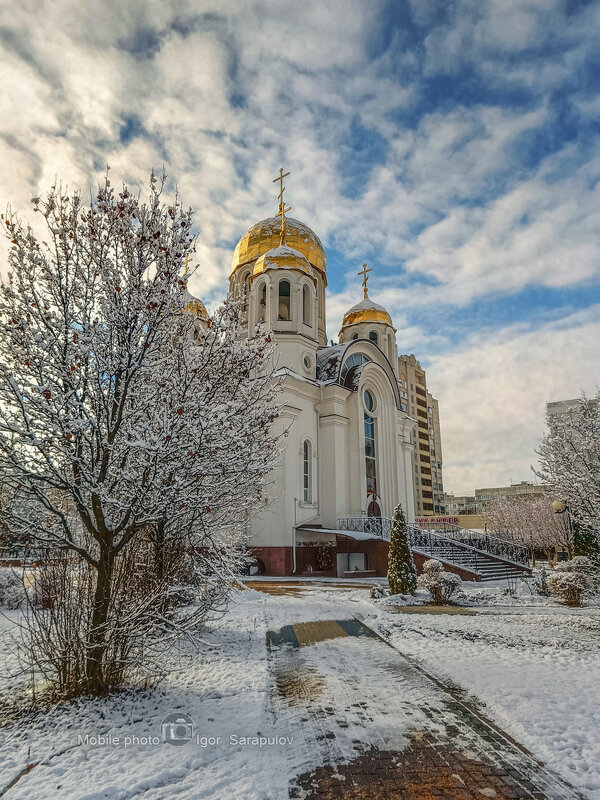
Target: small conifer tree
column 402, row 573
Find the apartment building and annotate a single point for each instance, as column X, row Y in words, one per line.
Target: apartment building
column 427, row 458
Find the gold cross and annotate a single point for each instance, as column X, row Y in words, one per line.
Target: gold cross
column 186, row 264
column 364, row 272
column 282, row 209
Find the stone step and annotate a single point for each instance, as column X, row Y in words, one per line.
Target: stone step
column 488, row 567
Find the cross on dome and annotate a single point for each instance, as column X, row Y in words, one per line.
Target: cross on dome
column 364, row 272
column 282, row 209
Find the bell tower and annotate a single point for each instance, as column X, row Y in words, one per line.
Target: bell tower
column 369, row 320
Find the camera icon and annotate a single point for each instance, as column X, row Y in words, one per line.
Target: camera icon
column 177, row 729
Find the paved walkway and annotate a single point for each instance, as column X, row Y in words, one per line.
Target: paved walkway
column 380, row 727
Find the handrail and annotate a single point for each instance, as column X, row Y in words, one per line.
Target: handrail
column 471, row 540
column 376, row 526
column 451, row 534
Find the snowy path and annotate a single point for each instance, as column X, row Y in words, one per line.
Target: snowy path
column 342, row 698
column 355, row 699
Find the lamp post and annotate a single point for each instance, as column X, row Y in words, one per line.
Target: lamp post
column 560, row 507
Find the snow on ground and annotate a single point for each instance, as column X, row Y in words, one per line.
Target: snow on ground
column 533, row 663
column 225, row 689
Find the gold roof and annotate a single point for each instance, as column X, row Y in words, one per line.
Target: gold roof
column 282, row 257
column 366, row 311
column 195, row 306
column 265, row 236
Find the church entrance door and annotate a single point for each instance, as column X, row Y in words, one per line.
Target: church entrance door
column 373, row 510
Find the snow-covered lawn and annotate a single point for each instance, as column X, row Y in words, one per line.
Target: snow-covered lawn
column 533, row 663
column 224, row 689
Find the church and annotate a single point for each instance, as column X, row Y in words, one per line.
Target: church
column 348, row 452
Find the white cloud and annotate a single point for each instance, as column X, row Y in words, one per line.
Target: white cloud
column 224, row 93
column 492, row 392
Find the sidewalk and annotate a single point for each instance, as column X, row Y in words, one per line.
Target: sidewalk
column 380, row 727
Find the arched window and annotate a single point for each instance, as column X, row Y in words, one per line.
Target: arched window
column 306, row 304
column 373, row 337
column 262, row 303
column 284, row 300
column 353, row 361
column 246, row 286
column 370, row 456
column 307, row 471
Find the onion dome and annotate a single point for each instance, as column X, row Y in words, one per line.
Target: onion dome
column 282, row 257
column 366, row 311
column 266, row 235
column 191, row 304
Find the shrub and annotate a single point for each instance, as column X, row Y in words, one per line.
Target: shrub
column 571, row 579
column 440, row 585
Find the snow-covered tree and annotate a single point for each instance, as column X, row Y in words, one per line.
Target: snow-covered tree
column 402, row 573
column 122, row 413
column 570, row 463
column 530, row 521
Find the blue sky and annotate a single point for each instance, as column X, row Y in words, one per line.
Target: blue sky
column 453, row 146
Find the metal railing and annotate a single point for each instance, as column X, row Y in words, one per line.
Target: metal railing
column 376, row 526
column 449, row 535
column 23, row 554
column 432, row 539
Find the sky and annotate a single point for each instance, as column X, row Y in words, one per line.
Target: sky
column 454, row 146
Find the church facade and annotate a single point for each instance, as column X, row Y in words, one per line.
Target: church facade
column 349, row 439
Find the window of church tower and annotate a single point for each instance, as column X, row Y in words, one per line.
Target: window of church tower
column 373, row 337
column 284, row 312
column 262, row 303
column 246, row 286
column 306, row 472
column 370, row 456
column 306, row 304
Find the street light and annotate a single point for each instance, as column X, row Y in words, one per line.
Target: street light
column 561, row 507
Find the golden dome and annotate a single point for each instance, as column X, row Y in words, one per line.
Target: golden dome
column 366, row 311
column 264, row 236
column 193, row 305
column 282, row 257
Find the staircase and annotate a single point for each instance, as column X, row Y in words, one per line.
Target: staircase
column 489, row 558
column 488, row 568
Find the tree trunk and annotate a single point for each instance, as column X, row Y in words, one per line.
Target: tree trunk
column 98, row 629
column 159, row 552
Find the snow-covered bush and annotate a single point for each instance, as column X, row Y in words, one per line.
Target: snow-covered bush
column 402, row 573
column 571, row 579
column 377, row 592
column 440, row 585
column 12, row 592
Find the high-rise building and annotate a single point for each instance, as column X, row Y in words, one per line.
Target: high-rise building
column 435, row 447
column 561, row 409
column 427, row 457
